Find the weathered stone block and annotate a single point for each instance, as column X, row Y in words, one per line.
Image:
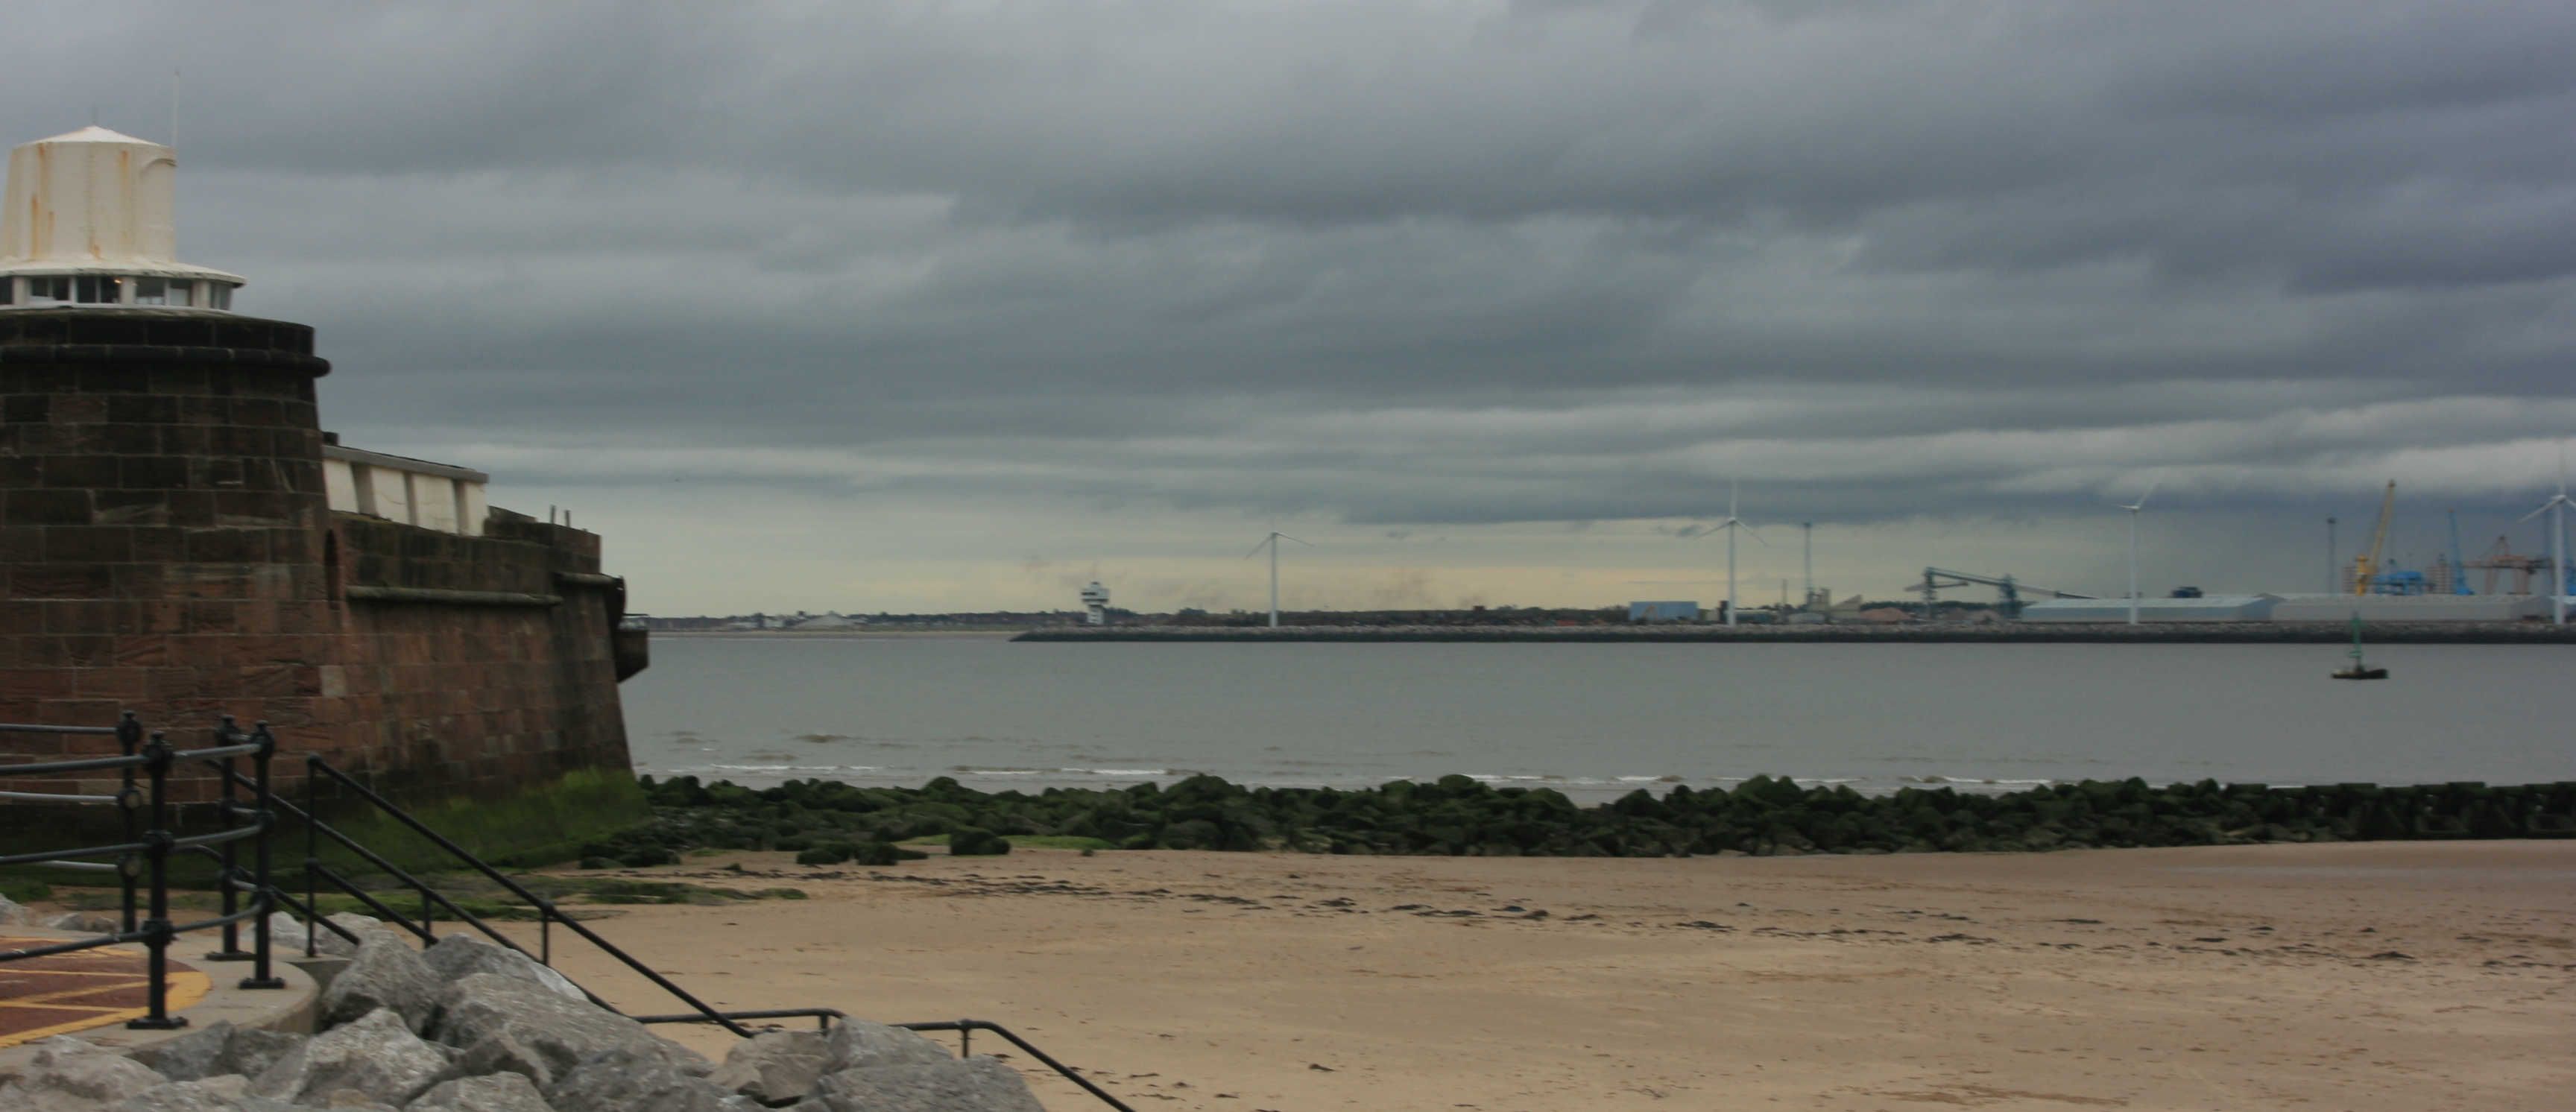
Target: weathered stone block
column 385, row 973
column 978, row 1084
column 376, row 1055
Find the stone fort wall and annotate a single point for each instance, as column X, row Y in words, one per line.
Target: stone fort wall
column 166, row 547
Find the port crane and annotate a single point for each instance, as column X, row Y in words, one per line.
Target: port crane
column 2500, row 557
column 1937, row 579
column 2368, row 563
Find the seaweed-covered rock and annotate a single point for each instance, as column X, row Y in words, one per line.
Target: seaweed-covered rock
column 1461, row 815
column 977, row 842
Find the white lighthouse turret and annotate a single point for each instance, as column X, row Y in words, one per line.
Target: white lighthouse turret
column 1095, row 604
column 89, row 224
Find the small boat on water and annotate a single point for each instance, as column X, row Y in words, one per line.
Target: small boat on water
column 2359, row 670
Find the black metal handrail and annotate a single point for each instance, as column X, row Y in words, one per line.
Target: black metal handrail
column 319, row 772
column 141, row 860
column 965, row 1029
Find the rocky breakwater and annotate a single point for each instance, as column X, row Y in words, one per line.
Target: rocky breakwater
column 471, row 1027
column 1462, row 816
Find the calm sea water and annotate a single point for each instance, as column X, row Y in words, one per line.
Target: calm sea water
column 1591, row 720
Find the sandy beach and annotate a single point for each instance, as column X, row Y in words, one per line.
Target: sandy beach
column 2360, row 976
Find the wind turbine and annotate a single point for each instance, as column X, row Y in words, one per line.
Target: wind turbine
column 2556, row 508
column 1272, row 543
column 2133, row 508
column 1731, row 523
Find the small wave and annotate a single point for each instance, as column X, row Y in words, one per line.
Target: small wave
column 1119, row 771
column 785, row 768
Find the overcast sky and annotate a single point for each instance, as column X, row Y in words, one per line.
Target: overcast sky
column 932, row 305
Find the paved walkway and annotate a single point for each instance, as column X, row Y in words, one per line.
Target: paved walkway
column 43, row 997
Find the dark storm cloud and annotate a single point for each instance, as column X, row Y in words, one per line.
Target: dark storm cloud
column 1400, row 262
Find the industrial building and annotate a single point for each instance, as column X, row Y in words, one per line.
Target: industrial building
column 1678, row 611
column 2218, row 608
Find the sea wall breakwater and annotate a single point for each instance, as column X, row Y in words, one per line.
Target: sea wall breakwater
column 828, row 822
column 1985, row 633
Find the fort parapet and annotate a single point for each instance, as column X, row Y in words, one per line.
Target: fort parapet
column 167, row 546
column 170, row 544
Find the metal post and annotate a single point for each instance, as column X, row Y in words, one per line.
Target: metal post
column 156, row 858
column 129, row 801
column 312, row 847
column 261, row 975
column 229, row 872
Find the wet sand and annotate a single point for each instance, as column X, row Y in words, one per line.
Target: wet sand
column 2370, row 976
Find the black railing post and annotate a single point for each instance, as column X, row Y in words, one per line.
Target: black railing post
column 261, row 975
column 229, row 877
column 156, row 859
column 129, row 801
column 312, row 847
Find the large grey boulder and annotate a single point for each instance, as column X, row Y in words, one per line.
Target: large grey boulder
column 856, row 1044
column 216, row 1049
column 461, row 955
column 68, row 1075
column 85, row 923
column 504, row 1023
column 221, row 1093
column 774, row 1067
column 978, row 1084
column 386, row 973
column 286, row 938
column 376, row 1055
column 359, row 925
column 630, row 1081
column 15, row 914
column 496, row 1092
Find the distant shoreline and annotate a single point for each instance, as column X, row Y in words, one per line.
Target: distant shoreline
column 864, row 631
column 2263, row 633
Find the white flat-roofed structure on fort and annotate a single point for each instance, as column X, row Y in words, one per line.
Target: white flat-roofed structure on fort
column 91, row 225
